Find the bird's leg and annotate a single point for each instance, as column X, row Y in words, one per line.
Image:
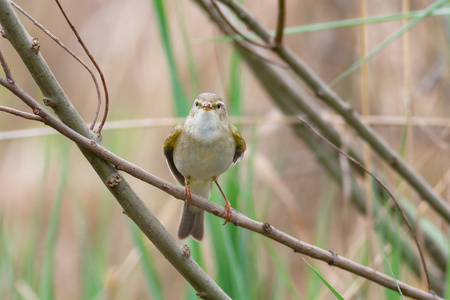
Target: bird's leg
column 228, row 213
column 187, row 191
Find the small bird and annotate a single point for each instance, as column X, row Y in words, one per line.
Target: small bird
column 198, row 151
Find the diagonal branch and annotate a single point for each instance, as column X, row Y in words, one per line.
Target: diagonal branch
column 237, row 218
column 352, row 118
column 132, row 205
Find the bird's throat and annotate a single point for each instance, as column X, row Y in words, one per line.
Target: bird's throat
column 205, row 125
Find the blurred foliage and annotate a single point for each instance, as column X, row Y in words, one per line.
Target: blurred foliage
column 63, row 236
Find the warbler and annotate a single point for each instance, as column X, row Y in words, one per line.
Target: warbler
column 198, row 151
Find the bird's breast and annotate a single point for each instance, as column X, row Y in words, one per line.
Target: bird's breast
column 204, row 155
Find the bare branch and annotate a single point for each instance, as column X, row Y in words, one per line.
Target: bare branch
column 324, row 92
column 234, row 29
column 6, row 68
column 229, row 28
column 237, row 218
column 405, row 219
column 99, row 70
column 20, row 113
column 58, row 41
column 132, row 205
column 278, row 40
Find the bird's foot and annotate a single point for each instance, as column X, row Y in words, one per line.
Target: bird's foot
column 228, row 213
column 187, row 191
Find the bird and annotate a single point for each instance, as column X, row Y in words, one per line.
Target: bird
column 198, row 151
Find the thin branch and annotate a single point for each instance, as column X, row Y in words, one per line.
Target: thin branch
column 132, row 205
column 6, row 68
column 278, row 40
column 21, row 114
column 229, row 30
column 381, row 183
column 237, row 218
column 234, row 29
column 58, row 41
column 324, row 92
column 105, row 115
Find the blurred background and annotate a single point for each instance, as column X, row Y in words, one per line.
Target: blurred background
column 62, row 235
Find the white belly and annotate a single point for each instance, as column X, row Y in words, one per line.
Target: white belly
column 203, row 158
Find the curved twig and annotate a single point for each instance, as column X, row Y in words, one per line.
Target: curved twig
column 229, row 30
column 58, row 41
column 105, row 115
column 235, row 30
column 237, row 218
column 325, row 93
column 132, row 205
column 381, row 183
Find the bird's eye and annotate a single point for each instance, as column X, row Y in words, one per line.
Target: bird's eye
column 219, row 105
column 196, row 103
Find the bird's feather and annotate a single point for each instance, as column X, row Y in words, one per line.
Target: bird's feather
column 168, row 153
column 240, row 144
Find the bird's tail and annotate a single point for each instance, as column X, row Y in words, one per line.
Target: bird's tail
column 192, row 218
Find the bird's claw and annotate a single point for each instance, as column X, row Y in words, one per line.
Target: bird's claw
column 228, row 213
column 187, row 191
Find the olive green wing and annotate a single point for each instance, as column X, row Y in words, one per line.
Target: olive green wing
column 240, row 144
column 168, row 153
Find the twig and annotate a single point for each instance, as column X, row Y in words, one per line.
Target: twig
column 278, row 40
column 237, row 218
column 6, row 68
column 58, row 41
column 132, row 205
column 229, row 30
column 21, row 114
column 325, row 93
column 234, row 29
column 105, row 115
column 419, row 248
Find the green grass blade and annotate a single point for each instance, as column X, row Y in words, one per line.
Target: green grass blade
column 282, row 269
column 47, row 281
column 345, row 23
column 447, row 290
column 7, row 273
column 428, row 11
column 322, row 231
column 193, row 73
column 235, row 85
column 28, row 270
column 335, row 293
column 181, row 104
column 393, row 275
column 153, row 282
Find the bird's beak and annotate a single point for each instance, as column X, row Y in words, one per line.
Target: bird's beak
column 206, row 106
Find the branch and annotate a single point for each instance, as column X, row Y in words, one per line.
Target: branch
column 57, row 41
column 352, row 118
column 5, row 68
column 99, row 70
column 237, row 218
column 20, row 113
column 280, row 25
column 231, row 30
column 293, row 101
column 116, row 184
